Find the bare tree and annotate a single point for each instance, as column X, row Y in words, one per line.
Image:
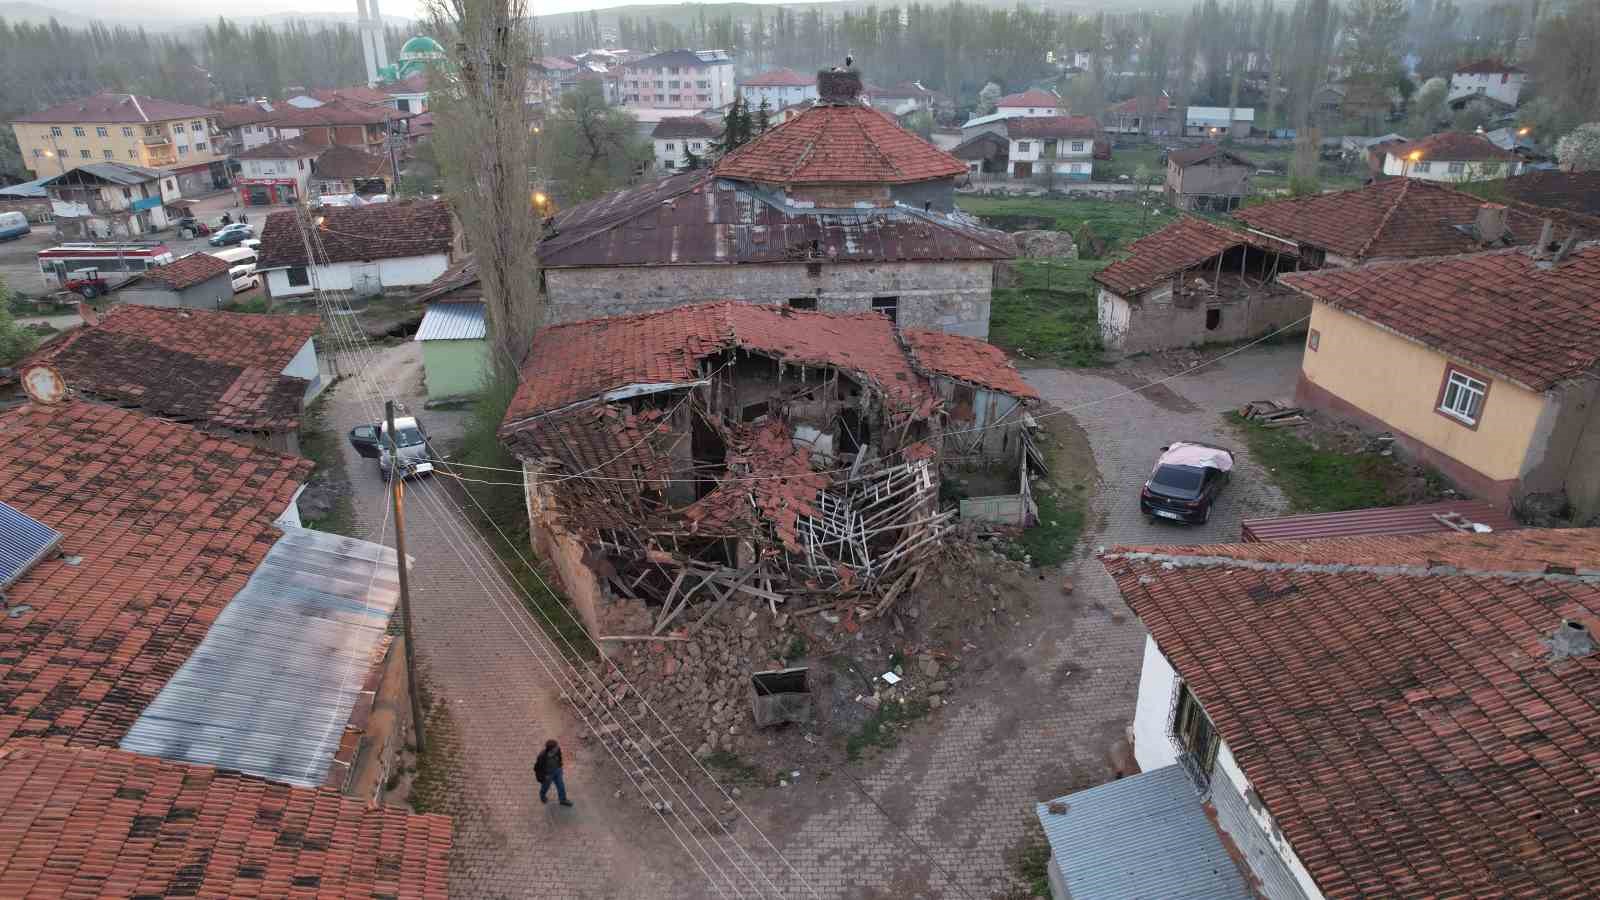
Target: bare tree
column 484, row 147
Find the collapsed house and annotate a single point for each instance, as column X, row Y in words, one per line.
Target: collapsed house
column 1194, row 283
column 722, row 450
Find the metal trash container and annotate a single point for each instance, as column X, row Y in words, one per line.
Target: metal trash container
column 780, row 695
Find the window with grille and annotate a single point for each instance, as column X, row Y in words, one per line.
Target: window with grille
column 889, row 306
column 1463, row 396
column 1193, row 731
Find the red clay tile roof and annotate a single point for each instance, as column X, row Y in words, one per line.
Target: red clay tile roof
column 1408, row 728
column 100, row 822
column 685, row 126
column 580, row 360
column 1502, row 311
column 1577, row 192
column 1052, row 127
column 163, row 524
column 833, row 143
column 1186, row 242
column 1033, row 97
column 285, row 149
column 1394, row 218
column 236, row 114
column 965, row 359
column 187, row 271
column 1458, row 146
column 779, row 78
column 769, row 451
column 415, row 83
column 390, row 230
column 336, row 112
column 221, row 368
column 107, row 106
column 1487, row 67
column 1204, row 152
column 1130, row 106
column 340, row 161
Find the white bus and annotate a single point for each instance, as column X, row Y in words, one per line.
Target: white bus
column 116, row 262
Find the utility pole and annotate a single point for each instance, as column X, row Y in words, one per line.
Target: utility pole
column 396, row 494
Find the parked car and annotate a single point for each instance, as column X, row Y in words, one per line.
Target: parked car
column 372, row 442
column 244, row 278
column 251, row 244
column 190, row 227
column 231, row 234
column 13, row 225
column 1185, row 482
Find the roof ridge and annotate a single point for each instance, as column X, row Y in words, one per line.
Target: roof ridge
column 1202, row 561
column 1383, row 223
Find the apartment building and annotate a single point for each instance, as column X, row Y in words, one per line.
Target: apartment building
column 680, row 79
column 174, row 138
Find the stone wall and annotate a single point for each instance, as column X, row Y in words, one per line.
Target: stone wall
column 1156, row 320
column 952, row 296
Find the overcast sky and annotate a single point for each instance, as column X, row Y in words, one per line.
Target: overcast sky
column 117, row 9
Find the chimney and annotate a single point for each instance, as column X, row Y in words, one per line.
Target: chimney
column 87, row 314
column 1571, row 640
column 1491, row 223
column 841, row 87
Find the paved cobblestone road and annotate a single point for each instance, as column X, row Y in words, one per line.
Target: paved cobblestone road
column 1035, row 722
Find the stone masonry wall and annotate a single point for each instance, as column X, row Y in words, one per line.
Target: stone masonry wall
column 952, row 296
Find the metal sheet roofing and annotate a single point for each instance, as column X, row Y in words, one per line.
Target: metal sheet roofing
column 1417, row 519
column 1143, row 836
column 24, row 541
column 452, row 322
column 271, row 687
column 28, row 190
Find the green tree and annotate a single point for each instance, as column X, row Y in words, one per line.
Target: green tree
column 1373, row 30
column 737, row 127
column 15, row 341
column 763, row 116
column 589, row 147
column 921, row 122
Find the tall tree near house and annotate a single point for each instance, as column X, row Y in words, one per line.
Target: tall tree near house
column 589, row 147
column 482, row 142
column 737, row 126
column 1373, row 31
column 763, row 116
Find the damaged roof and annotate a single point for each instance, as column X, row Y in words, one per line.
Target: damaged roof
column 768, row 449
column 186, row 271
column 162, row 525
column 393, row 230
column 1397, row 702
column 222, row 368
column 696, row 218
column 1185, row 243
column 941, row 353
column 99, row 823
column 1396, row 218
column 839, row 143
column 1204, row 153
column 1507, row 311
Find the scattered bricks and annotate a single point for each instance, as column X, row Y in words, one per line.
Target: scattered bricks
column 1066, row 586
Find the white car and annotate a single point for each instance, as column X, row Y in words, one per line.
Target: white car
column 253, row 244
column 244, row 280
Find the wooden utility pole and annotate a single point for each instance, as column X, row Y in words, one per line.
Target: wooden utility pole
column 396, row 497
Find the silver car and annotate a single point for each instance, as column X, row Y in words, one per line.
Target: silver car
column 411, row 443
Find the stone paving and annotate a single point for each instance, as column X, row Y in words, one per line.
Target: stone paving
column 941, row 814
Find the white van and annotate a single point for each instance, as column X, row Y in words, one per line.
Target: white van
column 13, row 225
column 237, row 256
column 244, row 277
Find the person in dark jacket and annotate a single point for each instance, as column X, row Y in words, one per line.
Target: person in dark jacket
column 547, row 768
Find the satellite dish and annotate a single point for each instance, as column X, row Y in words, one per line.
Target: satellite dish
column 44, row 384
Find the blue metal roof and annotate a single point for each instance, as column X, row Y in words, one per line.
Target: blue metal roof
column 1142, row 836
column 24, row 541
column 452, row 322
column 31, row 190
column 271, row 687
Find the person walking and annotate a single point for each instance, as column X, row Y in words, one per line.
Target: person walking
column 547, row 768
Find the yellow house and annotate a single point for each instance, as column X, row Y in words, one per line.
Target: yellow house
column 1484, row 366
column 176, row 138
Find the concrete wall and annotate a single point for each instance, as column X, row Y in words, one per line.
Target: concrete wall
column 1369, row 375
column 1503, row 86
column 409, row 271
column 1448, row 171
column 579, row 584
column 454, row 368
column 1153, row 321
column 777, row 95
column 952, row 296
column 938, row 195
column 212, row 293
column 1209, row 178
column 1564, row 454
column 1240, row 811
column 306, row 365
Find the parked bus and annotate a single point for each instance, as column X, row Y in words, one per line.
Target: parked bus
column 115, row 261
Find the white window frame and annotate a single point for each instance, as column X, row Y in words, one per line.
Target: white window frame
column 1463, row 396
column 1077, row 146
column 1024, row 147
column 1457, row 168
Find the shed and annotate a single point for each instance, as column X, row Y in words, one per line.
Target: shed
column 454, row 333
column 1424, row 518
column 196, row 281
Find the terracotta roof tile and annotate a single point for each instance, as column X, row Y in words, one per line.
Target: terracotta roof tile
column 108, row 106
column 1402, row 719
column 779, row 78
column 162, row 525
column 839, row 143
column 1185, row 243
column 335, row 112
column 93, row 822
column 284, row 149
column 1130, row 106
column 767, row 449
column 965, row 359
column 236, row 114
column 341, row 161
column 187, row 271
column 361, row 233
column 1394, row 218
column 1453, row 146
column 1033, row 97
column 1052, row 127
column 1204, row 152
column 220, row 368
column 1577, row 192
column 1503, row 310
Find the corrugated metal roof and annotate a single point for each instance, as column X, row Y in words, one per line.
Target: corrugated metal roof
column 452, row 322
column 24, row 541
column 271, row 687
column 27, row 190
column 1381, row 520
column 1143, row 836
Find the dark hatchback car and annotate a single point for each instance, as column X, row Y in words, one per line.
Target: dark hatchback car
column 1185, row 482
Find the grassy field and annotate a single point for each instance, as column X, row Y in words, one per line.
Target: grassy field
column 1055, row 324
column 1317, row 480
column 1119, row 223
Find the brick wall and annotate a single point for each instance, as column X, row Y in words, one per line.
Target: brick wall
column 952, row 296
